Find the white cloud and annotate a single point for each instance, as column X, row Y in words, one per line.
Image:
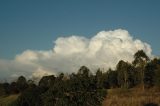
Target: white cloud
column 40, row 72
column 70, row 45
column 69, row 53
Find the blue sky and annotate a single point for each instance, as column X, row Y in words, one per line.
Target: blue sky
column 35, row 24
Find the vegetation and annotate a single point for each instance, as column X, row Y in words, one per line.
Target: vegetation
column 139, row 79
column 8, row 100
column 132, row 97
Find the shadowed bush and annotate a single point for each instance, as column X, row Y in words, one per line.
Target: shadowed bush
column 151, row 104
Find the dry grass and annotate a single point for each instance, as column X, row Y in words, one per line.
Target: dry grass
column 132, row 97
column 6, row 100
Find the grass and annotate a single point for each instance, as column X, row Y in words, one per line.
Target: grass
column 132, row 97
column 115, row 97
column 6, row 100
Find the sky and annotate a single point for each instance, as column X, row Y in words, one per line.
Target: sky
column 47, row 27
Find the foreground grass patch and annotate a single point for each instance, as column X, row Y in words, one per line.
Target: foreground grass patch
column 7, row 100
column 132, row 97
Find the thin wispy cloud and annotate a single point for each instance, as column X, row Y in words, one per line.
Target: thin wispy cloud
column 103, row 50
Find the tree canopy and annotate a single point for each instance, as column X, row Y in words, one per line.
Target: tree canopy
column 84, row 88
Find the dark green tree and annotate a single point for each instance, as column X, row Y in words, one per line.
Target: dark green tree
column 99, row 79
column 149, row 75
column 125, row 74
column 2, row 90
column 156, row 64
column 140, row 61
column 78, row 90
column 112, row 78
column 46, row 82
column 6, row 87
column 29, row 97
column 14, row 88
column 21, row 83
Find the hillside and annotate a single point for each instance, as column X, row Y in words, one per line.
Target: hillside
column 7, row 100
column 130, row 84
column 116, row 97
column 133, row 97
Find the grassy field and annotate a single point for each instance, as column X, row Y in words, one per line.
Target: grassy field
column 116, row 97
column 132, row 97
column 6, row 100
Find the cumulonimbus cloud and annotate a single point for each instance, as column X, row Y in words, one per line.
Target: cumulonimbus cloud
column 103, row 50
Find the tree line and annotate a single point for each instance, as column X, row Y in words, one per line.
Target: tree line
column 84, row 88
